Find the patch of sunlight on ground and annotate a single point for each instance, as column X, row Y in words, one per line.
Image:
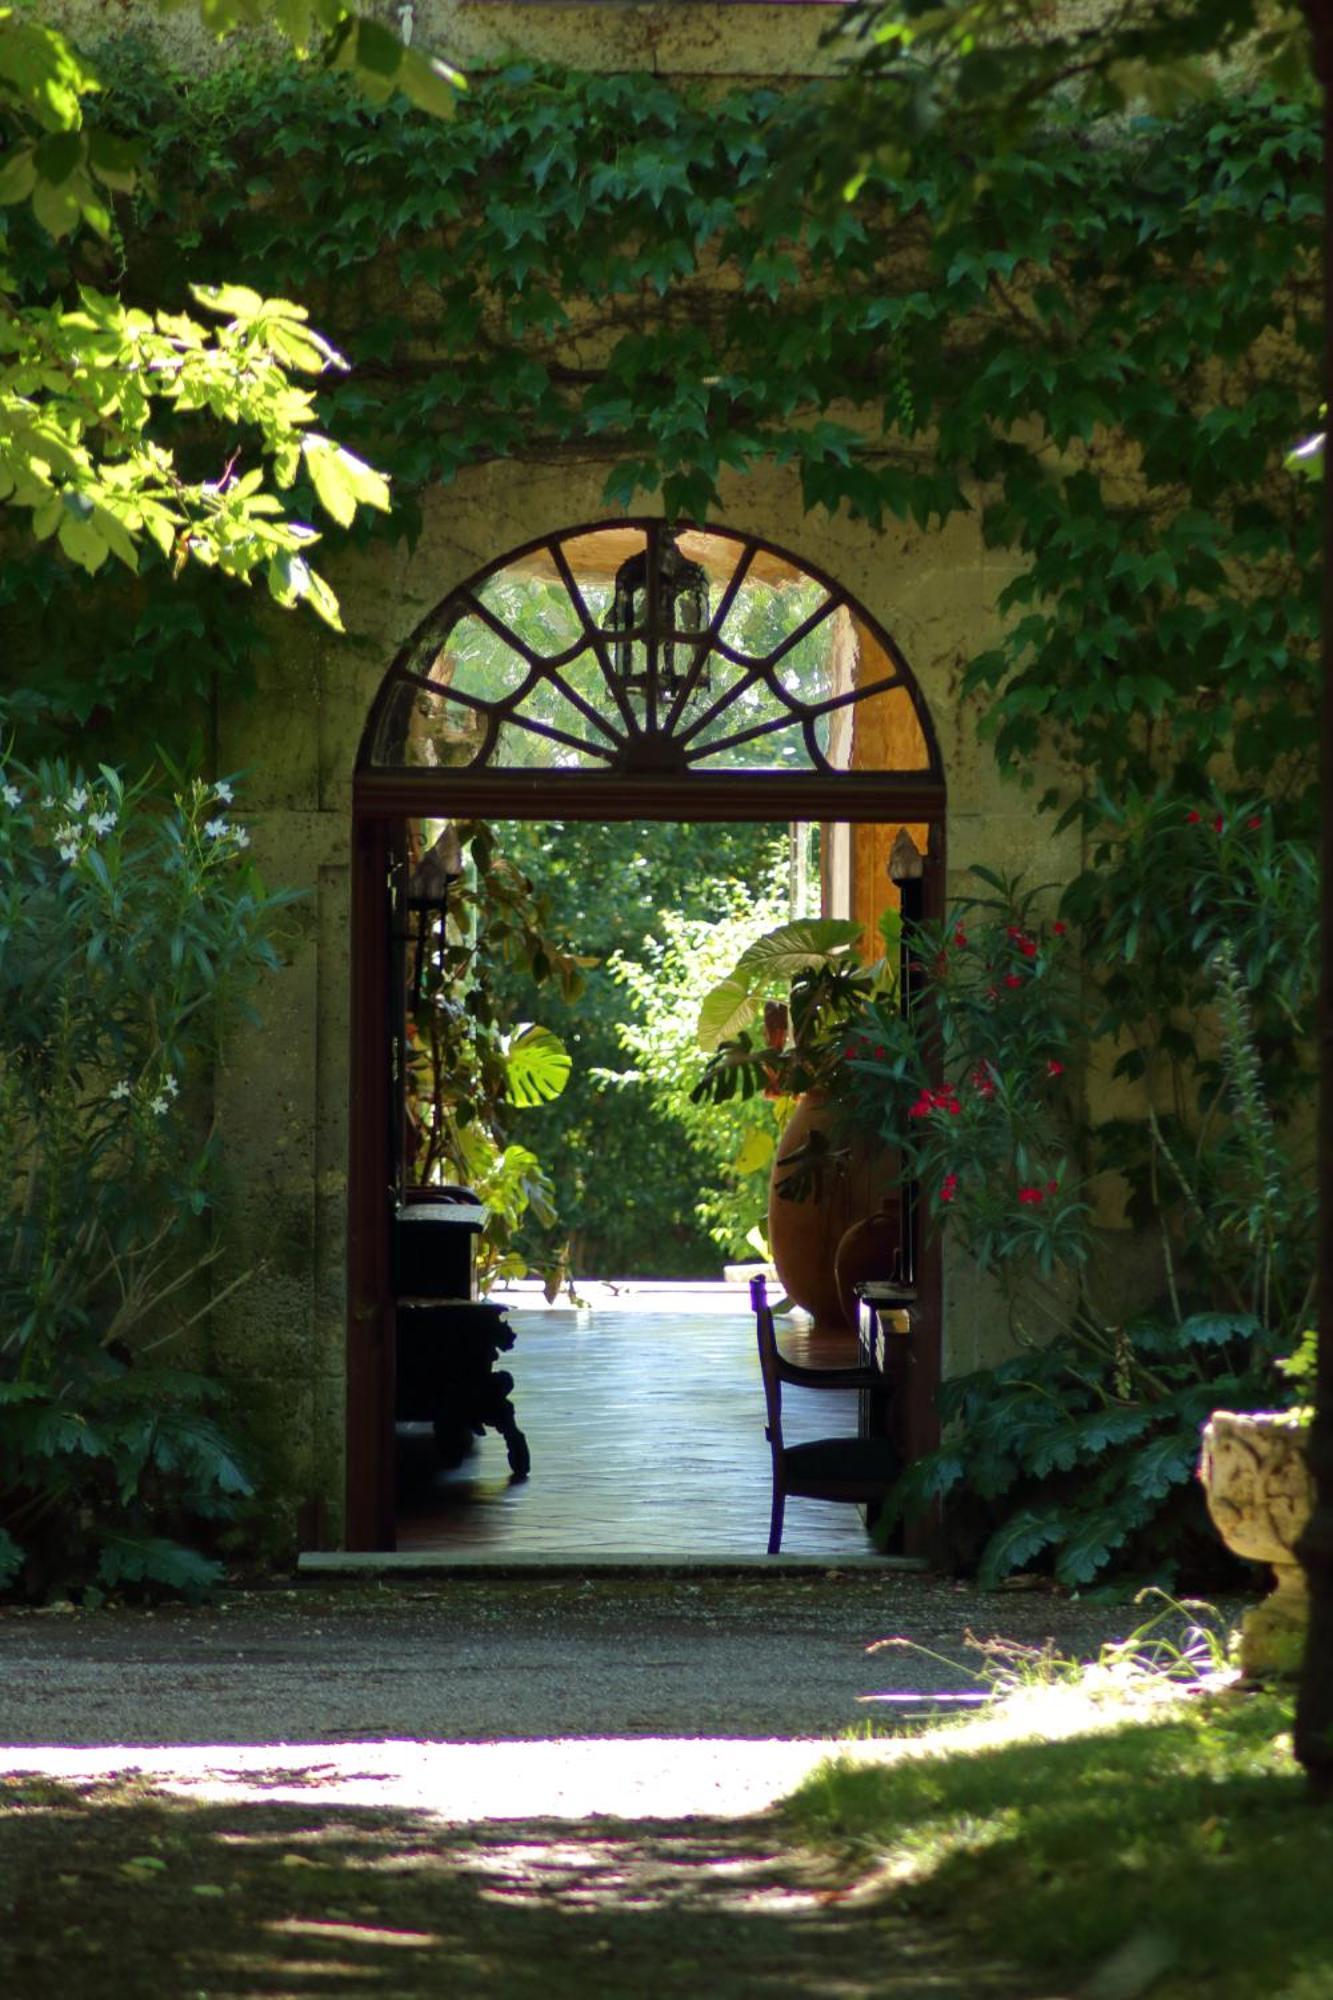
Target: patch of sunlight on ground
column 630, row 1778
column 627, row 1778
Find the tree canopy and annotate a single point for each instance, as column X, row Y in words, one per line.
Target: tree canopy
column 93, row 390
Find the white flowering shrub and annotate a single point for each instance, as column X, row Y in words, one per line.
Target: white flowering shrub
column 130, row 919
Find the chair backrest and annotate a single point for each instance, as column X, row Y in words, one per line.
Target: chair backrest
column 768, row 1359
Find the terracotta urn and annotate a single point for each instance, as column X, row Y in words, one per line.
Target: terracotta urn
column 1260, row 1493
column 804, row 1235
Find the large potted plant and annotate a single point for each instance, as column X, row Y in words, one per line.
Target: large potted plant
column 797, row 987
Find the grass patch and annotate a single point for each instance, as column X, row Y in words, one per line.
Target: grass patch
column 1175, row 1846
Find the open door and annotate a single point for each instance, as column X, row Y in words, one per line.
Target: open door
column 626, row 671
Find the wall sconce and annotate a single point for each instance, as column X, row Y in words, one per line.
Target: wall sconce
column 428, row 888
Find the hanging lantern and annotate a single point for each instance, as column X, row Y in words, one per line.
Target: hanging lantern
column 428, row 888
column 661, row 600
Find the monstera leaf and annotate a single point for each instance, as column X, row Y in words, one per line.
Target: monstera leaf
column 538, row 1065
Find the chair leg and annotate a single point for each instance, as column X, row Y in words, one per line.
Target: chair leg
column 775, row 1524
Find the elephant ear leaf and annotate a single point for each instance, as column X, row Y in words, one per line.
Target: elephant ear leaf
column 802, row 946
column 538, row 1066
column 726, row 1011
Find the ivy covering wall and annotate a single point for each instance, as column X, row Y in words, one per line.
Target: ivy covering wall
column 1110, row 355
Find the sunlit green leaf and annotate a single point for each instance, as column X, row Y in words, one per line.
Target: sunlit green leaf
column 537, row 1064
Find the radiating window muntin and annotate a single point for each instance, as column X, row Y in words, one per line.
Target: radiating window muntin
column 518, row 670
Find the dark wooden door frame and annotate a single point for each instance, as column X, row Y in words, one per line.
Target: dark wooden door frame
column 382, row 801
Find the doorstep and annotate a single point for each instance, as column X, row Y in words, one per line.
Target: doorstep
column 324, row 1563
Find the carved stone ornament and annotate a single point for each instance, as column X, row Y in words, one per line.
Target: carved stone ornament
column 1260, row 1493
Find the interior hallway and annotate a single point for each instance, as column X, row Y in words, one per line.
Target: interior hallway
column 645, row 1418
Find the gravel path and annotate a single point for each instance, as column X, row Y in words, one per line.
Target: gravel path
column 512, row 1789
column 475, row 1661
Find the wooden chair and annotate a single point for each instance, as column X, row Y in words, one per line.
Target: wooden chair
column 835, row 1468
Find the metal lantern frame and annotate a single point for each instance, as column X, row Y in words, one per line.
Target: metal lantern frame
column 659, row 612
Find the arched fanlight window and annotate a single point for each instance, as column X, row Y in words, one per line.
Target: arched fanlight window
column 641, row 648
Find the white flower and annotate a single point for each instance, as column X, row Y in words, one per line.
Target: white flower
column 121, row 1090
column 12, row 795
column 240, row 836
column 159, row 1107
column 47, row 803
column 215, row 828
column 170, row 1086
column 102, row 822
column 78, row 799
column 223, row 792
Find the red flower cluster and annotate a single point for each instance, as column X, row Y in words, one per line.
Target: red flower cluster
column 948, row 1187
column 982, row 1081
column 960, row 937
column 1013, row 979
column 1193, row 818
column 1033, row 1197
column 1027, row 945
column 1054, row 1067
column 945, row 1098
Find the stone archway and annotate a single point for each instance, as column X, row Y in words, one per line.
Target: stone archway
column 618, row 671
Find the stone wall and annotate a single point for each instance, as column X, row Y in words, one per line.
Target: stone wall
column 283, row 1100
column 735, row 39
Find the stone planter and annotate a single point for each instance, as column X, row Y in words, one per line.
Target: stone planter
column 1260, row 1494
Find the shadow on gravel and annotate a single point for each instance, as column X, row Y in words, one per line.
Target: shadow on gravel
column 115, row 1890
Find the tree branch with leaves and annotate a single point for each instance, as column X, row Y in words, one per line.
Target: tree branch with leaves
column 89, row 387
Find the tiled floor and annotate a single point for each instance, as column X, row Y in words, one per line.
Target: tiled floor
column 645, row 1420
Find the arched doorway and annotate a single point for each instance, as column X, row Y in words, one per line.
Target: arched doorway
column 619, row 671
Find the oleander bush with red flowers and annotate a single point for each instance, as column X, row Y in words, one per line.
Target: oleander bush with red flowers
column 1184, row 961
column 970, row 1083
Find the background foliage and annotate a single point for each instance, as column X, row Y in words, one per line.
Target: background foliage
column 131, row 923
column 639, row 1184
